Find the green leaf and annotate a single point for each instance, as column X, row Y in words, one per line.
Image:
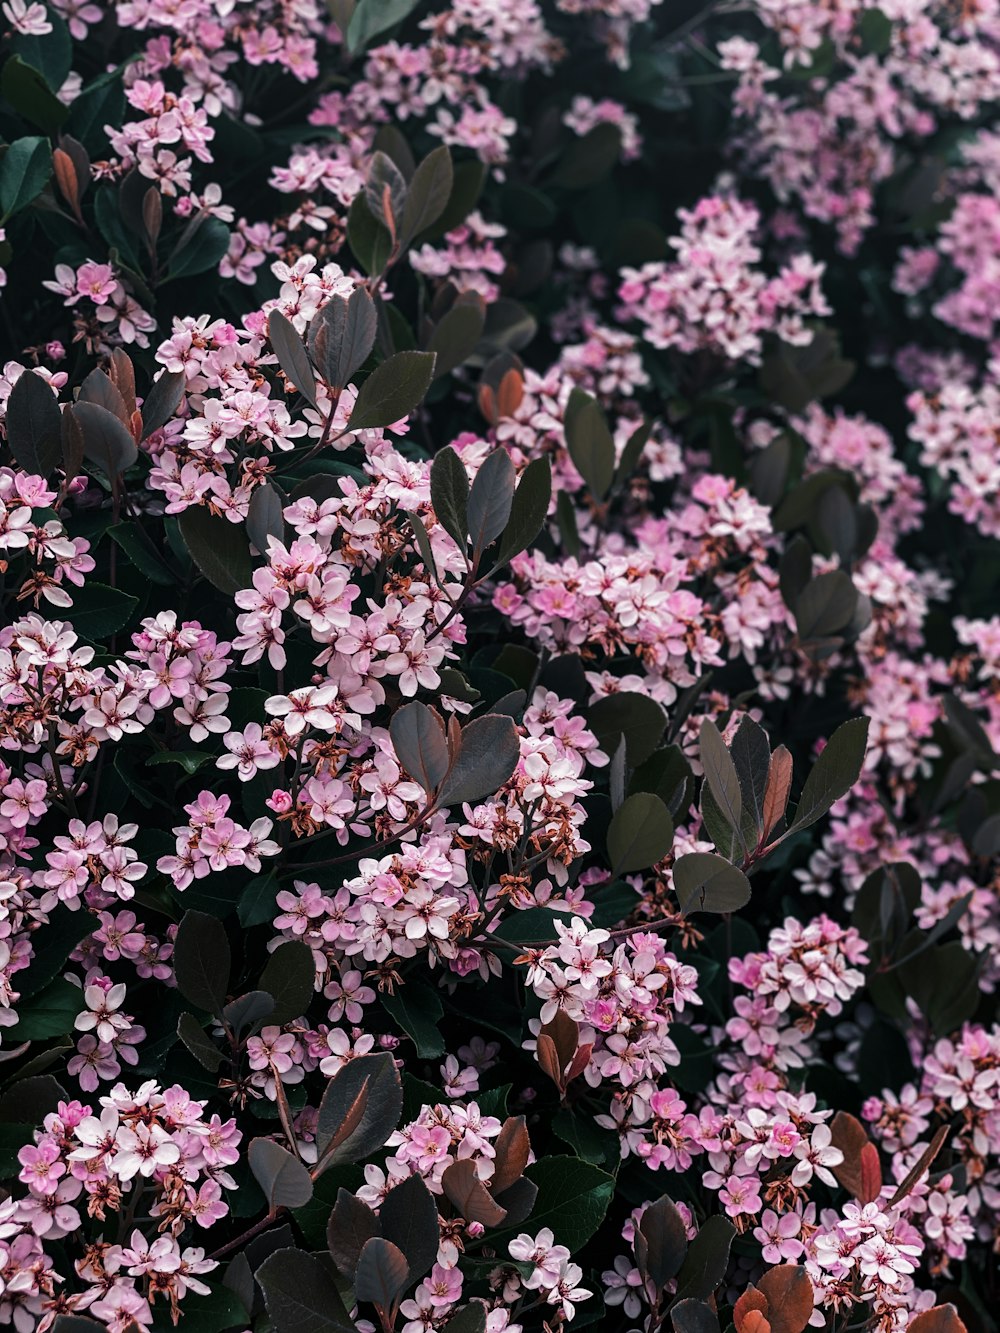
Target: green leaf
column 107, row 441
column 219, row 548
column 393, row 390
column 826, row 605
column 418, row 1011
column 301, row 1295
column 356, row 1128
column 101, row 103
column 142, row 553
column 409, row 1218
column 342, row 335
column 489, row 753
column 282, row 1177
column 834, row 773
column 707, row 1259
column 382, row 1273
column 368, row 238
column 371, row 18
column 291, row 353
column 751, row 756
column 25, row 89
column 635, row 716
column 290, row 977
column 528, row 510
column 490, row 501
column 589, row 158
column 51, row 53
column 33, row 422
column 694, row 1316
column 427, row 195
column 265, row 516
column 721, row 775
column 256, row 904
column 529, row 925
column 99, row 611
column 471, row 1319
column 640, row 834
column 704, row 882
column 418, row 737
column 456, row 333
column 204, row 250
column 51, row 1013
column 202, row 961
column 164, row 398
column 573, row 1197
column 450, row 495
column 589, row 441
column 189, row 760
column 198, row 1042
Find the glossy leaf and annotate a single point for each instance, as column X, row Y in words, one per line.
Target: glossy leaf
column 382, row 1274
column 107, row 442
column 427, row 194
column 409, row 1218
column 265, row 517
column 161, row 403
column 290, row 977
column 342, row 335
column 25, row 170
column 198, row 1042
column 528, row 511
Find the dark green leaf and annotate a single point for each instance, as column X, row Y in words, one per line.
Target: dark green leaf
column 834, row 773
column 694, row 1316
column 590, row 157
column 301, row 1295
column 282, row 1177
column 198, row 1042
column 417, row 1010
column 382, row 1274
column 427, row 195
column 455, row 335
column 393, row 390
column 374, row 1077
column 590, row 443
column 99, row 611
column 137, row 544
column 704, row 882
column 409, row 1218
column 202, row 961
column 450, row 495
column 265, row 516
column 707, row 1259
column 661, row 1242
column 25, row 89
column 573, row 1197
column 635, row 716
column 640, row 834
column 33, row 422
column 342, row 335
column 290, row 976
column 826, row 605
column 205, row 248
column 488, row 756
column 107, row 441
column 371, row 18
column 490, row 501
column 751, row 755
column 219, row 548
column 418, row 737
column 528, row 511
column 161, row 403
column 721, row 775
column 291, row 353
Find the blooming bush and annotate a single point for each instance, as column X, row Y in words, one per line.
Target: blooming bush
column 499, row 710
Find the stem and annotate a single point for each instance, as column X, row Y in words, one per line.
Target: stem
column 255, row 1230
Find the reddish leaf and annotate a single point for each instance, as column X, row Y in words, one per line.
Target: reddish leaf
column 789, row 1296
column 871, row 1174
column 848, row 1134
column 749, row 1311
column 942, row 1319
column 470, row 1196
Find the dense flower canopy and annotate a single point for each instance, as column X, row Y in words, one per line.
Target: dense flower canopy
column 499, row 659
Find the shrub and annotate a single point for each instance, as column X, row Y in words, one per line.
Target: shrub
column 499, row 809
